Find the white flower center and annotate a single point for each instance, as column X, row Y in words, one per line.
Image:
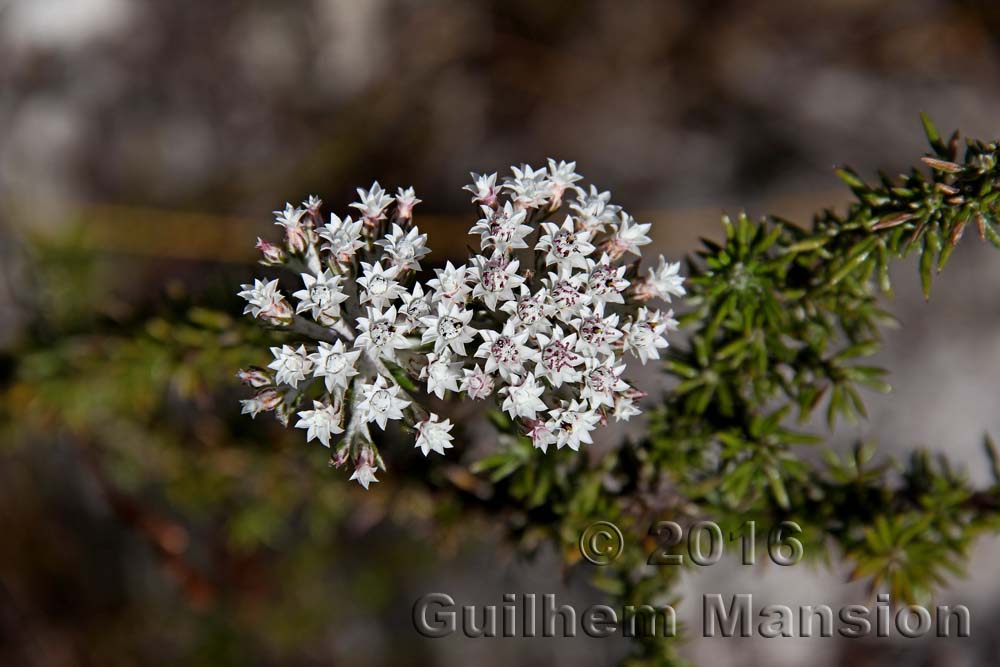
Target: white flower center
column 450, row 327
column 501, row 231
column 556, row 356
column 564, row 244
column 529, row 310
column 336, row 363
column 642, row 335
column 378, row 285
column 505, row 351
column 494, row 279
column 380, row 333
column 593, row 331
column 319, row 294
column 405, row 251
column 418, row 308
column 602, row 380
column 380, row 401
column 602, row 280
column 565, row 295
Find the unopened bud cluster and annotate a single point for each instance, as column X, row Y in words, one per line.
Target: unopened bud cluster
column 542, row 321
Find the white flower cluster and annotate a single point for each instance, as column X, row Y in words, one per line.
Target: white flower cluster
column 542, row 320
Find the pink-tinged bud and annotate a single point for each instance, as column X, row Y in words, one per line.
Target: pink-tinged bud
column 296, row 238
column 265, row 401
column 269, row 399
column 557, row 197
column 312, row 206
column 643, row 290
column 339, row 457
column 614, row 248
column 277, row 312
column 254, row 377
column 634, row 394
column 405, row 201
column 270, row 253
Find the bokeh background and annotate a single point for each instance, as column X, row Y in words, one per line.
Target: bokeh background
column 143, row 144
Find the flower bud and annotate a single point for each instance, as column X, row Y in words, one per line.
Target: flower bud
column 265, row 401
column 277, row 312
column 339, row 457
column 270, row 253
column 405, row 201
column 254, row 377
column 312, row 206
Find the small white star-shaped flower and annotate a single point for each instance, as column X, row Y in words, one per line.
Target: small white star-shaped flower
column 664, row 281
column 442, row 373
column 265, row 300
column 381, row 402
column 405, row 248
column 530, row 311
column 378, row 334
column 524, row 399
column 566, row 295
column 483, row 188
column 335, row 364
column 605, row 283
column 574, row 423
column 562, row 176
column 322, row 296
column 449, row 328
column 322, row 421
column 602, row 382
column 496, row 279
column 506, row 350
column 405, row 201
column 558, row 360
column 296, row 231
column 597, row 332
column 451, row 284
column 364, row 474
column 291, row 365
column 434, row 435
column 416, row 304
column 629, row 237
column 477, row 383
column 373, row 203
column 530, row 188
column 542, row 433
column 564, row 246
column 644, row 335
column 593, row 211
column 502, row 228
column 343, row 237
column 379, row 285
column 625, row 409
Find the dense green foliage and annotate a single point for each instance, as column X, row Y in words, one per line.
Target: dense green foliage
column 780, row 319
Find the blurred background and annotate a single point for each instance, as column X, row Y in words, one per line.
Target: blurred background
column 143, row 145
